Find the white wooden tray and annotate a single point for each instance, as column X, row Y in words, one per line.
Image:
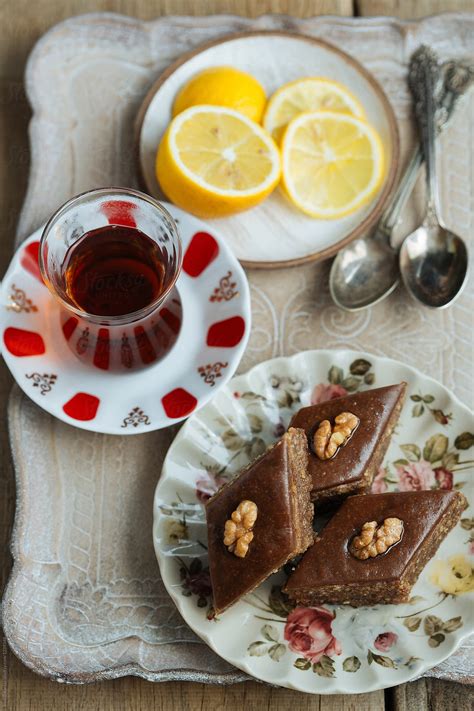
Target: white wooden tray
column 85, row 600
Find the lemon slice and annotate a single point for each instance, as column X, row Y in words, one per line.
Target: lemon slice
column 213, row 161
column 310, row 94
column 223, row 86
column 332, row 163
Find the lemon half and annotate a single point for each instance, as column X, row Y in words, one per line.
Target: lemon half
column 333, row 163
column 213, row 161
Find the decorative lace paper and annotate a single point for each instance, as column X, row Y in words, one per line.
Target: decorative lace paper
column 85, row 600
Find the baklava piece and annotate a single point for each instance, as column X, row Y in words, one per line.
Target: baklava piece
column 374, row 548
column 260, row 520
column 348, row 438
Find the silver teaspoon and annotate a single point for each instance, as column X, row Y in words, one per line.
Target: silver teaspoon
column 433, row 260
column 367, row 271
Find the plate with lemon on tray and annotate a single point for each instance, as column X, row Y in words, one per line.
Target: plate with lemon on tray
column 285, row 143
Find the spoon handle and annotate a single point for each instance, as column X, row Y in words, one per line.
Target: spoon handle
column 458, row 75
column 404, row 189
column 424, row 79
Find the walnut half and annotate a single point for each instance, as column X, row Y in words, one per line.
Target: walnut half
column 238, row 529
column 374, row 540
column 328, row 439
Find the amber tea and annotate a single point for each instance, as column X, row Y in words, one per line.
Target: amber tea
column 114, row 271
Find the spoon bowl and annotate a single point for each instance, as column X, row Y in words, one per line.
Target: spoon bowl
column 366, row 271
column 433, row 260
column 363, row 273
column 434, row 265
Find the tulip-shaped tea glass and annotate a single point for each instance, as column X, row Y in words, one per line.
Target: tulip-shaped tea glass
column 111, row 257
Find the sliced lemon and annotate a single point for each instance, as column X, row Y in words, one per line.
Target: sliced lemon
column 223, row 86
column 332, row 163
column 309, row 94
column 214, row 161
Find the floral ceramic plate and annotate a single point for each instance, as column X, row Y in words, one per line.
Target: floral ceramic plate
column 326, row 649
column 206, row 327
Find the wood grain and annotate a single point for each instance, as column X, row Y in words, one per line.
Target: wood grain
column 410, row 9
column 22, row 22
column 431, row 694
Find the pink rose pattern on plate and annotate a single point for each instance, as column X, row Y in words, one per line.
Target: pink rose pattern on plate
column 422, row 405
column 385, row 641
column 208, row 484
column 379, row 485
column 444, row 478
column 308, row 633
column 429, row 467
column 340, row 383
column 323, row 392
column 416, row 476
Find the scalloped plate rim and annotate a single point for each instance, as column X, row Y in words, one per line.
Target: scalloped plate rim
column 179, row 600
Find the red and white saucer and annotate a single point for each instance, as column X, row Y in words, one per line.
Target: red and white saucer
column 215, row 327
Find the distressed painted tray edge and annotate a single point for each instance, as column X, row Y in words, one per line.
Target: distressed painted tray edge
column 448, row 670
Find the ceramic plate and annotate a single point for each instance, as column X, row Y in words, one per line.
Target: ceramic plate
column 285, row 235
column 326, row 649
column 212, row 332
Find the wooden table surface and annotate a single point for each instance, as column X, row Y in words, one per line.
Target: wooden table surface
column 22, row 22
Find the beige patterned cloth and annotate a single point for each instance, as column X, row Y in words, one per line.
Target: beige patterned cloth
column 85, row 600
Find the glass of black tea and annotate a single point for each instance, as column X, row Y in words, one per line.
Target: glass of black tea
column 111, row 257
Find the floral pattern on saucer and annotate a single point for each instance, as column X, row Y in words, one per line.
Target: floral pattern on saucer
column 347, row 650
